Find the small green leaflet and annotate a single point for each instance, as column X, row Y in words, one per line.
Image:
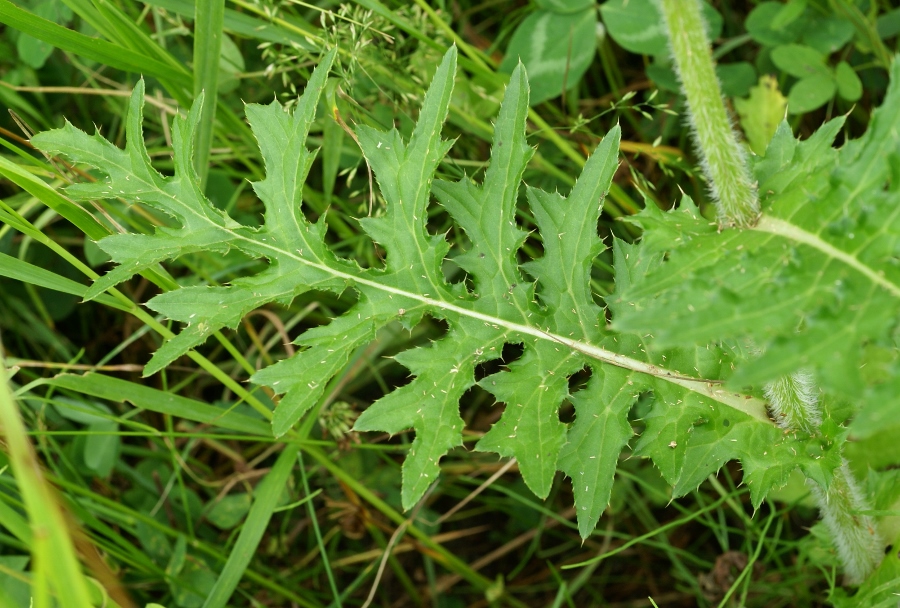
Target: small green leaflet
column 817, row 82
column 556, row 47
column 545, row 304
column 761, row 113
column 637, row 26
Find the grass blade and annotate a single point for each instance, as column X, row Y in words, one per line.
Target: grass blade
column 14, row 268
column 98, row 50
column 208, row 21
column 265, row 499
column 54, row 560
column 242, row 24
column 144, row 397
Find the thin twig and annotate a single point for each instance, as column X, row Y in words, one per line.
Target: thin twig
column 497, row 474
column 448, row 581
column 124, row 367
column 401, row 529
column 166, row 107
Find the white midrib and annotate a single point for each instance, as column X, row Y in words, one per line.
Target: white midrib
column 751, row 406
column 779, row 227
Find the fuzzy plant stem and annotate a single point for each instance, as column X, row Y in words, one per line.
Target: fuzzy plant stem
column 792, row 398
column 724, row 160
column 795, row 406
column 859, row 545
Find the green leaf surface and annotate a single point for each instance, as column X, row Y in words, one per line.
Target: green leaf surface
column 878, row 448
column 101, row 447
column 84, row 412
column 530, row 428
column 13, row 590
column 811, row 93
column 826, row 33
column 686, row 436
column 131, row 175
column 565, row 6
column 557, row 49
column 544, row 304
column 600, row 431
column 774, row 24
column 799, row 61
column 762, row 21
column 628, row 23
column 761, row 113
column 33, row 51
column 736, row 78
column 849, row 85
column 229, row 511
column 888, row 24
column 789, row 13
column 636, row 25
column 815, row 283
column 663, row 75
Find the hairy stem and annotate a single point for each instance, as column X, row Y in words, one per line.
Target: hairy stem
column 723, row 158
column 793, row 399
column 795, row 405
column 856, row 538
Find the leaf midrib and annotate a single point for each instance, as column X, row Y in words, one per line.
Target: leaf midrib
column 792, row 232
column 709, row 388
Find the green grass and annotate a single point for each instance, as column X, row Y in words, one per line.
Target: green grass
column 171, row 490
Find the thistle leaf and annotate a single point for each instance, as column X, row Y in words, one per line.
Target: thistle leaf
column 815, row 284
column 294, row 247
column 545, row 305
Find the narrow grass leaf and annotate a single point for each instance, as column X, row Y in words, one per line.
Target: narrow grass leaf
column 15, row 523
column 208, row 22
column 55, row 561
column 245, row 24
column 14, row 268
column 144, row 397
column 265, row 499
column 104, row 52
column 83, row 220
column 62, row 205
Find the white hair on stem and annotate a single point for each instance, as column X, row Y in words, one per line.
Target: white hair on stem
column 855, row 537
column 723, row 159
column 794, row 402
column 793, row 398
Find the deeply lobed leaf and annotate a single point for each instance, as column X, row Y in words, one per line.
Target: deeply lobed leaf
column 545, row 305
